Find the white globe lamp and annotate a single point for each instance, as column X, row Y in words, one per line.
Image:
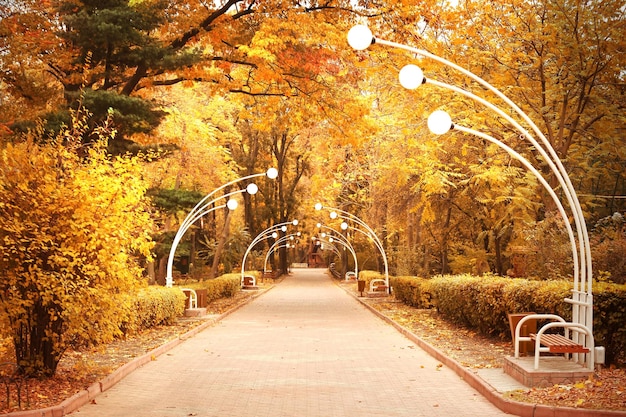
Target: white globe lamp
column 360, row 37
column 439, row 122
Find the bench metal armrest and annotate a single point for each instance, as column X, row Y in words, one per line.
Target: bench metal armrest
column 376, row 282
column 193, row 297
column 558, row 321
column 567, row 326
column 518, row 328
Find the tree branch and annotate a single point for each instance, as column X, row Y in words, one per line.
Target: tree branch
column 205, row 24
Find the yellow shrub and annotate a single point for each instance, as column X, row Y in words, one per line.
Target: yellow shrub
column 156, row 305
column 483, row 302
column 221, row 287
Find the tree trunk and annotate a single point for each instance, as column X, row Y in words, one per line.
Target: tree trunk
column 344, row 262
column 282, row 259
column 445, row 269
column 498, row 249
column 151, row 273
column 220, row 246
column 36, row 342
column 162, row 270
column 193, row 238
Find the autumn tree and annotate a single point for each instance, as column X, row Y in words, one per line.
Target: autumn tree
column 120, row 52
column 298, row 99
column 272, row 140
column 194, row 158
column 26, row 89
column 461, row 190
column 74, row 230
column 114, row 51
column 562, row 62
column 80, row 52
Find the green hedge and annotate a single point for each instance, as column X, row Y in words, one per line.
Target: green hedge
column 482, row 303
column 609, row 319
column 156, row 305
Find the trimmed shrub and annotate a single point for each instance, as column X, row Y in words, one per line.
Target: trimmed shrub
column 609, row 316
column 413, row 291
column 225, row 286
column 368, row 276
column 482, row 303
column 156, row 306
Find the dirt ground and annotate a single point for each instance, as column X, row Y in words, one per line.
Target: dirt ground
column 79, row 369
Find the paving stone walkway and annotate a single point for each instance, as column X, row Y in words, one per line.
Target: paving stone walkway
column 305, row 348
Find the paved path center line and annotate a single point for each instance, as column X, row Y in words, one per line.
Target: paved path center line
column 305, row 348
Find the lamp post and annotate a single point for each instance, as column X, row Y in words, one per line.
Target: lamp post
column 231, row 205
column 202, row 208
column 326, row 242
column 278, row 245
column 273, row 249
column 360, row 37
column 370, row 234
column 271, row 231
column 344, row 242
column 330, row 244
column 196, row 215
column 345, row 226
column 411, row 76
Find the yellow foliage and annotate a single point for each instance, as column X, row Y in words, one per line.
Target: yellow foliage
column 73, row 228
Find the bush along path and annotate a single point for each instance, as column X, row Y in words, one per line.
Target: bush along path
column 80, row 370
column 602, row 394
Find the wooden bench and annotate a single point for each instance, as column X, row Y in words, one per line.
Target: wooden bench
column 334, row 271
column 378, row 285
column 554, row 343
column 192, row 297
column 248, row 281
column 557, row 343
column 270, row 274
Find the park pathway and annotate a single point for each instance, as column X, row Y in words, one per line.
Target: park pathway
column 305, row 348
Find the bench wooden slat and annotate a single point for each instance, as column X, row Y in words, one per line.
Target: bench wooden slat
column 559, row 344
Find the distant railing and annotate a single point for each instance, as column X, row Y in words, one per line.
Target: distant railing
column 334, row 271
